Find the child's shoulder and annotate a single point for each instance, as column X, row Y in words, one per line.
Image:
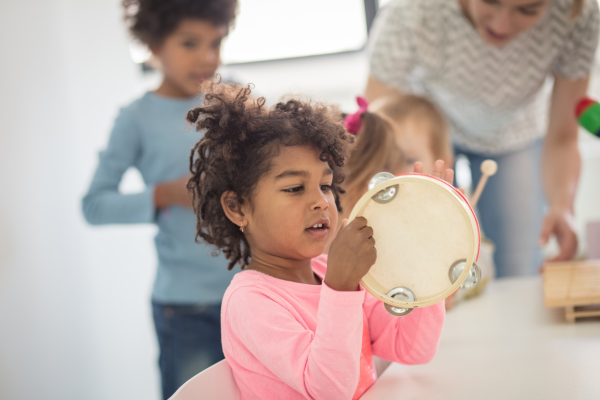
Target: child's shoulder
column 139, row 104
column 136, row 109
column 257, row 285
column 251, row 292
column 151, row 109
column 247, row 283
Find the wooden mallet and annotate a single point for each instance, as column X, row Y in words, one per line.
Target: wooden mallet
column 488, row 168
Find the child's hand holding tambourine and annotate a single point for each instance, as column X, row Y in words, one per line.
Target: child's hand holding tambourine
column 427, row 238
column 351, row 255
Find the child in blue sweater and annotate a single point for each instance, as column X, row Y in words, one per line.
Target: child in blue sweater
column 151, row 135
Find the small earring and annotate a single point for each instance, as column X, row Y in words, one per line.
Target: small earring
column 242, row 227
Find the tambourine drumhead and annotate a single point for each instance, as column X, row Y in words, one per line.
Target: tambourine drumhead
column 422, row 226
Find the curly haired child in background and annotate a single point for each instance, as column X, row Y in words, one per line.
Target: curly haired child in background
column 295, row 323
column 150, row 134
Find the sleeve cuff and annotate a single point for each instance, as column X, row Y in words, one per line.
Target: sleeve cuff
column 342, row 298
column 148, row 210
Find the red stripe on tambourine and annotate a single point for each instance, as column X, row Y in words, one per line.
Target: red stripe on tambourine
column 463, row 197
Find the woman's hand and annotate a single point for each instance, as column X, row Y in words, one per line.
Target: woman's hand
column 561, row 165
column 173, row 192
column 351, row 255
column 560, row 223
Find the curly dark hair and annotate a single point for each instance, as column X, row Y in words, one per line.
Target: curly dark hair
column 151, row 21
column 241, row 137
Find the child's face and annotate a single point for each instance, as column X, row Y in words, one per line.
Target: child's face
column 190, row 55
column 288, row 201
column 414, row 137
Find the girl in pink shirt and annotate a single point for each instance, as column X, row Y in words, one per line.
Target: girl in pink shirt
column 295, row 323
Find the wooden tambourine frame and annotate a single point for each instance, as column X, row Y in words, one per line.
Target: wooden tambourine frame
column 376, row 288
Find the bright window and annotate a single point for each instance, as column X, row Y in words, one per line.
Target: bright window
column 276, row 29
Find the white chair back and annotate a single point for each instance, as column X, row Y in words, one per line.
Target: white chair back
column 214, row 383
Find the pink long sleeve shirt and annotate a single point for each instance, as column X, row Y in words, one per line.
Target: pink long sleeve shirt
column 287, row 340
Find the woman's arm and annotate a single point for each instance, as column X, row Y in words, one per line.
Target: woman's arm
column 391, row 48
column 561, row 164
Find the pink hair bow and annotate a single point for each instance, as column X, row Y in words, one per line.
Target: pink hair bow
column 353, row 122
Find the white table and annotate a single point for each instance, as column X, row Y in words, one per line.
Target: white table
column 503, row 345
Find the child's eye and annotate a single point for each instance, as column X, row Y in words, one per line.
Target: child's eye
column 189, row 44
column 294, row 189
column 326, row 188
column 216, row 44
column 528, row 12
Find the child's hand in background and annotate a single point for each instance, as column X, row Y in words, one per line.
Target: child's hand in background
column 351, row 255
column 439, row 172
column 173, row 192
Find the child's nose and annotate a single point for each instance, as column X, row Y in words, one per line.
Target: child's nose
column 209, row 56
column 320, row 201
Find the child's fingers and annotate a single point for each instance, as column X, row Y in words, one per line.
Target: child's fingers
column 367, row 231
column 449, row 176
column 546, row 231
column 438, row 169
column 358, row 222
column 418, row 168
column 344, row 223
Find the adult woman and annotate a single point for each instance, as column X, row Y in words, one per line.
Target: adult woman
column 485, row 63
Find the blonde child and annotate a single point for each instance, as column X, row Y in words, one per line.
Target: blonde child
column 295, row 323
column 420, row 128
column 393, row 134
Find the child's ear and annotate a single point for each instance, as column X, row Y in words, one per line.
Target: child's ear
column 232, row 208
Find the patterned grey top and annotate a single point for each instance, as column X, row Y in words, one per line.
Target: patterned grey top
column 492, row 96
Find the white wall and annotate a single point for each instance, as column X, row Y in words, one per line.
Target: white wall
column 75, row 319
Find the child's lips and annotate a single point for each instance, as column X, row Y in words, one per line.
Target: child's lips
column 319, row 229
column 317, row 233
column 201, row 77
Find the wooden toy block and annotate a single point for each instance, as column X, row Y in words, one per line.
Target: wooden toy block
column 574, row 285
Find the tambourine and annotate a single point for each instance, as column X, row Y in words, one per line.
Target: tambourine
column 427, row 240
